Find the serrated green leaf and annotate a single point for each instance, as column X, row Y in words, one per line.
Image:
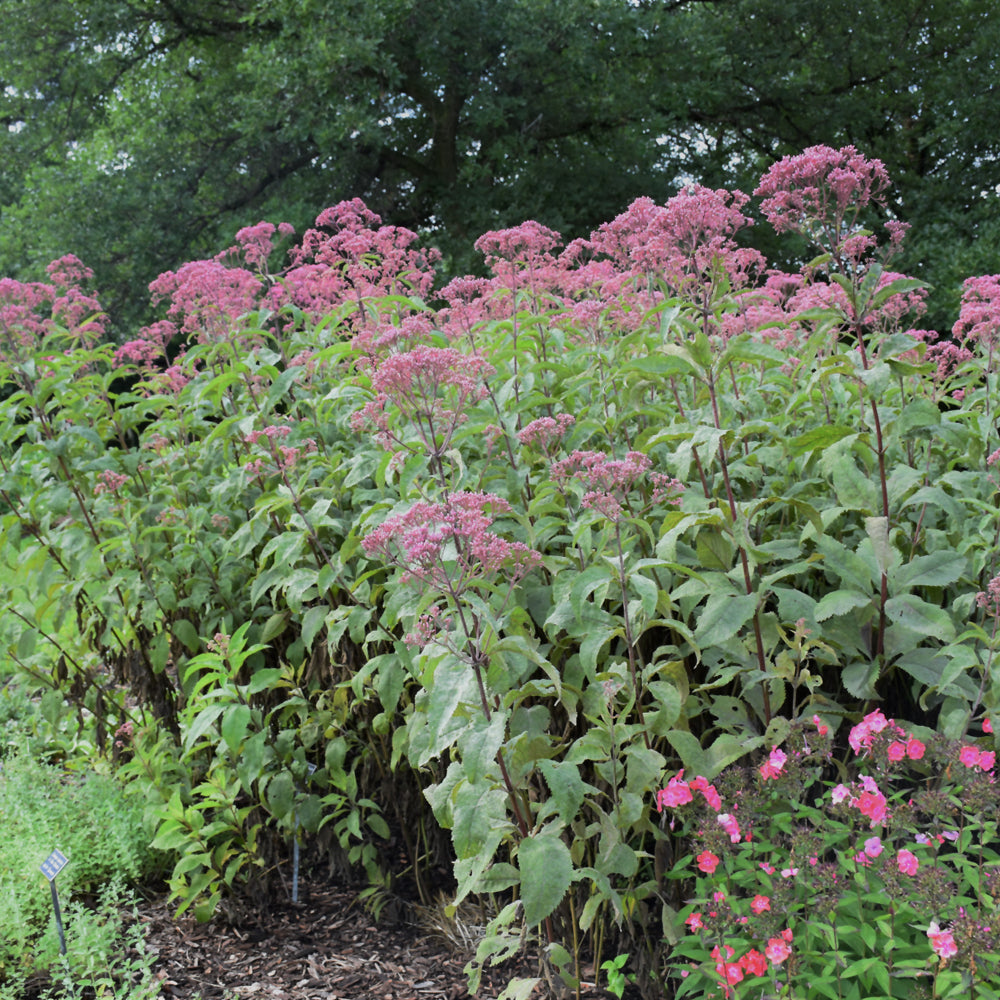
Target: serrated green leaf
column 920, row 617
column 546, row 873
column 935, row 570
column 723, row 616
column 480, row 818
column 567, row 787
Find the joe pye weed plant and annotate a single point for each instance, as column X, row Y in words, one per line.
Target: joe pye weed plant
column 496, row 558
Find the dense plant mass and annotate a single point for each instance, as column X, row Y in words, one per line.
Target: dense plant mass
column 326, row 546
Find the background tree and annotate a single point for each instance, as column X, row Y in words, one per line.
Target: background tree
column 141, row 133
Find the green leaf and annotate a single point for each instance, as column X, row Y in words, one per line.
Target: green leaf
column 918, row 414
column 480, row 818
column 568, row 789
column 235, row 723
column 186, row 633
column 920, row 617
column 855, row 489
column 479, row 744
column 281, row 795
column 546, row 873
column 723, row 616
column 877, row 529
column 818, row 438
column 935, row 570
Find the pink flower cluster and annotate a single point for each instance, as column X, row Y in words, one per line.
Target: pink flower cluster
column 979, row 313
column 611, row 480
column 449, row 546
column 862, row 735
column 430, row 388
column 870, row 802
column 280, row 457
column 32, row 310
column 942, row 942
column 545, row 431
column 752, row 963
column 822, row 186
column 109, row 482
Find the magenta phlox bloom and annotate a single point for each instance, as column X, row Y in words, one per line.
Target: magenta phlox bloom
column 942, row 942
column 774, row 764
column 707, row 862
column 907, row 861
column 677, row 793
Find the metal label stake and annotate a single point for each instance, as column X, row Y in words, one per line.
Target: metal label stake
column 51, row 867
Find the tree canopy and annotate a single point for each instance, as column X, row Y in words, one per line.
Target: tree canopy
column 142, row 133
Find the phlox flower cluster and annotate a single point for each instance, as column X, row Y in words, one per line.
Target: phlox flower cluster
column 448, row 546
column 910, row 874
column 609, row 481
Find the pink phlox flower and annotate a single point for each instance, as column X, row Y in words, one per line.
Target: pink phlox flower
column 730, row 825
column 969, row 756
column 729, row 972
column 841, row 794
column 707, row 862
column 987, row 726
column 861, row 735
column 907, row 861
column 872, row 805
column 942, row 942
column 760, row 903
column 708, row 792
column 789, row 872
column 774, row 764
column 777, row 950
column 677, row 793
column 694, row 922
column 754, row 963
column 766, row 867
column 873, row 847
column 914, row 748
column 896, row 751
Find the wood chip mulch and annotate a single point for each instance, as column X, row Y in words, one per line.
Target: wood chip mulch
column 326, row 947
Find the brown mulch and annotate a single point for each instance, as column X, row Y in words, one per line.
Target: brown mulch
column 326, row 947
